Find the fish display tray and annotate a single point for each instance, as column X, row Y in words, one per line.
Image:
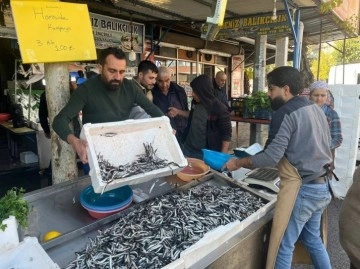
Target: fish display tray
column 58, row 208
column 182, row 227
column 121, row 143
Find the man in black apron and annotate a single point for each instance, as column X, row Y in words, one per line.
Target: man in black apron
column 299, row 145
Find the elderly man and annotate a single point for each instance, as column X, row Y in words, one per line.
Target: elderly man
column 219, row 83
column 172, row 100
column 105, row 98
column 145, row 80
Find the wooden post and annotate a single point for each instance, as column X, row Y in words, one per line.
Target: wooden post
column 63, row 157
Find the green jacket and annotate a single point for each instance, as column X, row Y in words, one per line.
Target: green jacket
column 99, row 104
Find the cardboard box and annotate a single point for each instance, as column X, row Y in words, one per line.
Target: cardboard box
column 120, row 143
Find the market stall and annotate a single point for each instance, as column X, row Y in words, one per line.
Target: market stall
column 233, row 242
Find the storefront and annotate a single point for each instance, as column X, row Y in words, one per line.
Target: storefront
column 186, row 63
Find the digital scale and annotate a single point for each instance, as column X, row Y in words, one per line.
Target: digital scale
column 264, row 177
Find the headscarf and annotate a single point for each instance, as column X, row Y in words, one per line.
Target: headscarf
column 323, row 85
column 318, row 85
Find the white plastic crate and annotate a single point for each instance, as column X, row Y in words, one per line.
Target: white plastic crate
column 9, row 238
column 121, row 142
column 29, row 254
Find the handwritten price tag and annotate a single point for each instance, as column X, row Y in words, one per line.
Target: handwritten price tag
column 53, row 31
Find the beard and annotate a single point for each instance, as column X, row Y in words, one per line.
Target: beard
column 277, row 102
column 114, row 84
column 111, row 85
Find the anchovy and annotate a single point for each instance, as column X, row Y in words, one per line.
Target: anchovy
column 154, row 233
column 146, row 162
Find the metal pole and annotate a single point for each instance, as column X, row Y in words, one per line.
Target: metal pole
column 343, row 58
column 29, row 108
column 15, row 77
column 297, row 49
column 319, row 58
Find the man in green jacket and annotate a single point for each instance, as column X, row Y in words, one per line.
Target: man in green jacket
column 105, row 98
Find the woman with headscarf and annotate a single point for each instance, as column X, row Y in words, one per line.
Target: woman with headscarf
column 319, row 93
column 209, row 124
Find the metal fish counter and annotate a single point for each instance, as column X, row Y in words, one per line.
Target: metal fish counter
column 177, row 226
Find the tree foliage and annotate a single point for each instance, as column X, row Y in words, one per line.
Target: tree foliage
column 331, row 56
column 327, row 60
column 352, row 51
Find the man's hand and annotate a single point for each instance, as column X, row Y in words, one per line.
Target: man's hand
column 79, row 146
column 231, row 165
column 173, row 112
column 236, row 163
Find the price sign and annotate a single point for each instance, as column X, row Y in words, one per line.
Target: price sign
column 53, row 31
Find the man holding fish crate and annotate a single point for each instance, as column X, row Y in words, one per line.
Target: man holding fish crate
column 107, row 97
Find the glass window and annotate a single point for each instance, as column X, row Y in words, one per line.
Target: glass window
column 184, row 71
column 221, row 60
column 167, row 52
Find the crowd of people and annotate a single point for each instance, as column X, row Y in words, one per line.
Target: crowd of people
column 151, row 93
column 305, row 168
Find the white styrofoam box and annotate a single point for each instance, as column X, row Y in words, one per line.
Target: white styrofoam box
column 9, row 238
column 28, row 157
column 121, row 142
column 29, row 254
column 43, row 149
column 347, row 105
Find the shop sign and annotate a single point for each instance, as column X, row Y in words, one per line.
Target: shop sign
column 112, row 32
column 251, row 26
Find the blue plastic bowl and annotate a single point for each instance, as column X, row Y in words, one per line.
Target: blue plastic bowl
column 215, row 159
column 108, row 201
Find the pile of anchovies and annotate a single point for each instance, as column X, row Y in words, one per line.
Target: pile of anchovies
column 154, row 234
column 144, row 163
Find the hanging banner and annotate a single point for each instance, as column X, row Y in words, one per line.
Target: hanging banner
column 50, row 32
column 251, row 26
column 112, row 32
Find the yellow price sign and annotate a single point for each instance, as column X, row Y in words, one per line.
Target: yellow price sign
column 53, row 31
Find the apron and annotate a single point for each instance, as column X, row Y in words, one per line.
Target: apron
column 289, row 188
